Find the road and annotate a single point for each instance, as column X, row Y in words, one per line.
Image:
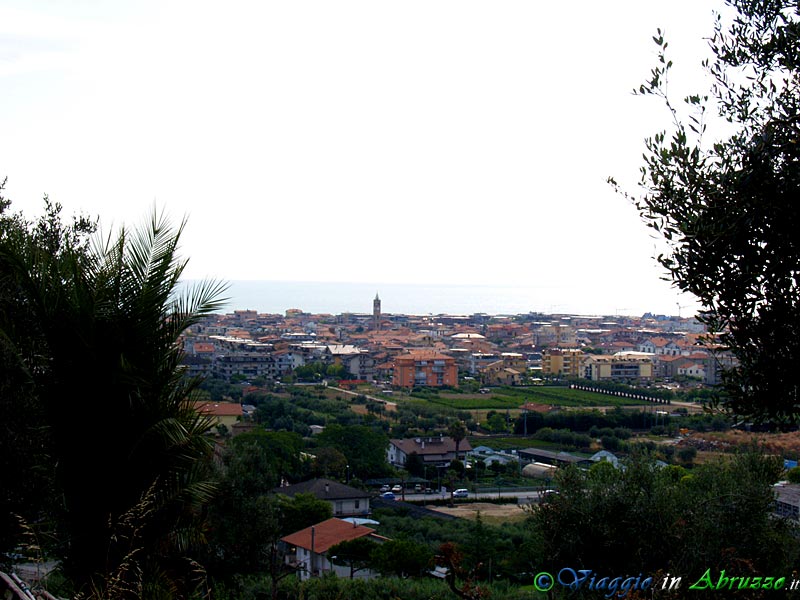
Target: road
column 488, row 496
column 389, row 405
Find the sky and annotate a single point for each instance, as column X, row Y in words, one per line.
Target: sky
column 427, row 142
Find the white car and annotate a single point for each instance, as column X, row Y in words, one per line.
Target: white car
column 461, row 493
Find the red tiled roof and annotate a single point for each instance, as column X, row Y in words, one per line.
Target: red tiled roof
column 327, row 534
column 669, row 357
column 219, row 409
column 431, row 446
column 423, row 355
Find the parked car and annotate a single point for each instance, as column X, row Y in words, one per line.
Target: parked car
column 461, row 493
column 388, row 496
column 385, row 488
column 397, row 489
column 418, row 488
column 428, row 490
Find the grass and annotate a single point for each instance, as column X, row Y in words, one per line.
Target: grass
column 564, row 396
column 508, row 398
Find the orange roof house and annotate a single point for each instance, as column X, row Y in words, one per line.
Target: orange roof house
column 222, row 413
column 312, row 544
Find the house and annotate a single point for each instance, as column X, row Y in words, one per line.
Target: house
column 489, row 456
column 693, row 369
column 661, row 347
column 435, row 451
column 548, row 457
column 356, row 360
column 480, row 360
column 787, row 500
column 308, row 548
column 345, row 501
column 221, row 413
column 508, row 370
column 605, row 455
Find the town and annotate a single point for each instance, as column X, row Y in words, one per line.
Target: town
column 441, row 455
column 507, row 446
column 407, row 351
column 454, row 416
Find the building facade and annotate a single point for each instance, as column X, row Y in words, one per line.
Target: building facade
column 562, row 362
column 424, row 368
column 435, row 451
column 619, row 367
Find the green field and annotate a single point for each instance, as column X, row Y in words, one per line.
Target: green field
column 513, row 397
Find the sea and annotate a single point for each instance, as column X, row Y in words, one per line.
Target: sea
column 425, row 299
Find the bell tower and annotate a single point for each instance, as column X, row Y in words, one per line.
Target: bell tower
column 376, row 313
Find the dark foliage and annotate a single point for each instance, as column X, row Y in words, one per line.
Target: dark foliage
column 728, row 209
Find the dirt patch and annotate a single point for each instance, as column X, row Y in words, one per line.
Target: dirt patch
column 489, row 512
column 782, row 444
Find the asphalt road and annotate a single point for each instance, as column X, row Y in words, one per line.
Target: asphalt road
column 472, row 496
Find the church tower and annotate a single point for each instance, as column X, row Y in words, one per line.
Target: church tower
column 376, row 313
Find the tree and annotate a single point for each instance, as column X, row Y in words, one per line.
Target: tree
column 457, row 431
column 480, row 549
column 793, row 475
column 495, row 422
column 248, row 519
column 451, row 558
column 301, row 511
column 402, row 558
column 105, row 320
column 329, row 462
column 415, row 465
column 687, row 455
column 355, row 554
column 364, row 447
column 648, row 518
column 728, row 210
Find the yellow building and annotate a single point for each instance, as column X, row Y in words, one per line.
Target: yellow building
column 565, row 362
column 509, row 370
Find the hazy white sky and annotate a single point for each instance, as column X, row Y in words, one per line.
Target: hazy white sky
column 417, row 141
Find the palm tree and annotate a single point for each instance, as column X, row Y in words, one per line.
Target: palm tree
column 128, row 443
column 457, row 431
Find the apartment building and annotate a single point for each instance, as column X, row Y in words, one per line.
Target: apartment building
column 242, row 357
column 563, row 362
column 356, row 360
column 424, row 368
column 631, row 366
